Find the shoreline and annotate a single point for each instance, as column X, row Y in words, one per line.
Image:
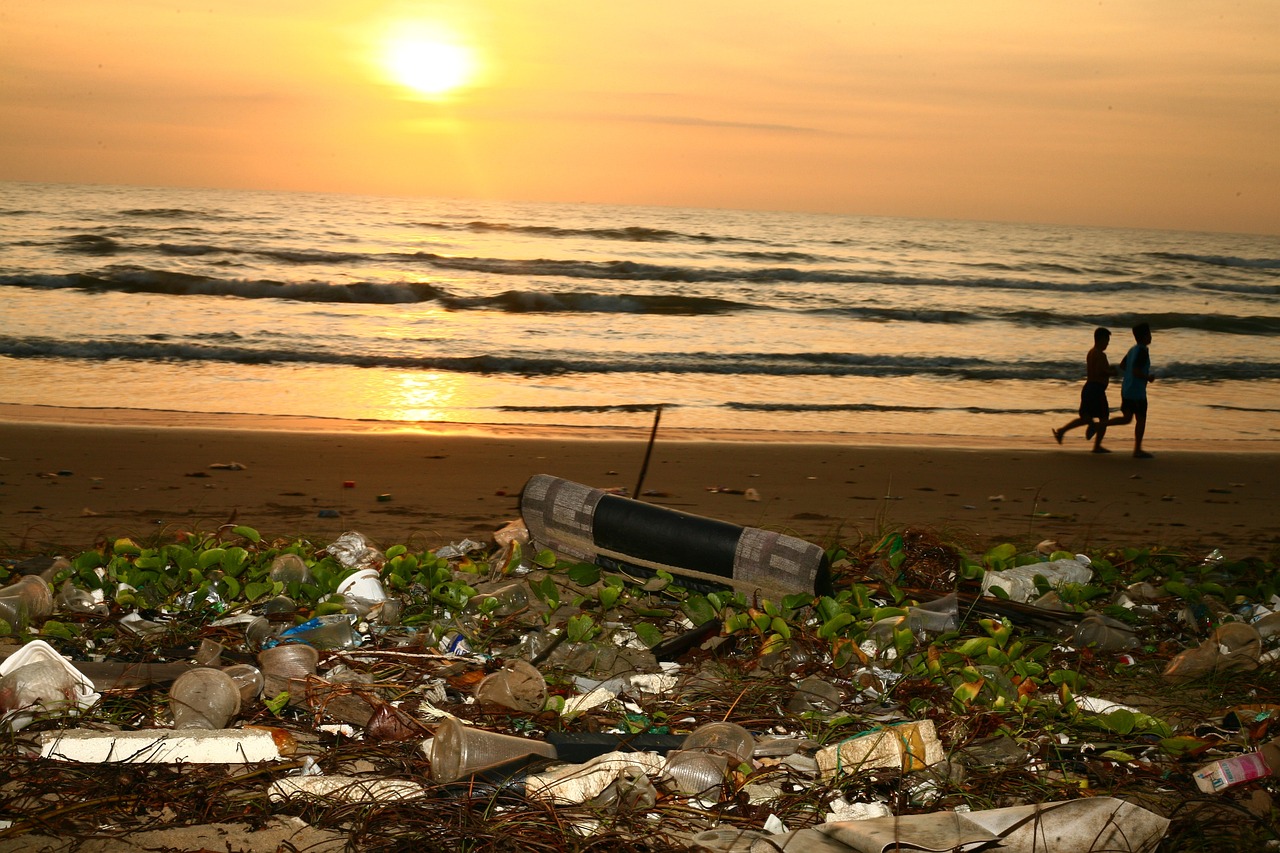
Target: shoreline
column 105, row 473
column 106, row 417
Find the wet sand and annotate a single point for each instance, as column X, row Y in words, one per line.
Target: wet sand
column 65, row 486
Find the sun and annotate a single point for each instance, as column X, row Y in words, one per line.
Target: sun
column 429, row 64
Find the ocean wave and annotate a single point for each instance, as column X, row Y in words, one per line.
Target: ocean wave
column 623, row 408
column 626, row 233
column 163, row 212
column 538, row 302
column 89, row 244
column 142, row 280
column 1221, row 260
column 164, row 348
column 1238, row 288
column 879, row 408
column 133, row 279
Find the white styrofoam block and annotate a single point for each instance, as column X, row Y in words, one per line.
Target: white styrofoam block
column 344, row 789
column 161, row 746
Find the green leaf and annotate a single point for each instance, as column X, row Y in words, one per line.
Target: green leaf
column 1116, row 755
column 1073, row 680
column 545, row 559
column 233, row 561
column 233, row 588
column 1120, row 721
column 580, row 628
column 277, row 703
column 547, row 591
column 61, row 630
column 648, row 634
column 609, row 597
column 584, row 574
column 258, row 589
column 248, row 533
column 698, row 609
column 1000, row 556
column 833, row 626
column 974, row 646
column 796, row 600
column 212, row 557
column 126, row 547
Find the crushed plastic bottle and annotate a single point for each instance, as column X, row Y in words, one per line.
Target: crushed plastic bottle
column 353, row 551
column 1019, row 582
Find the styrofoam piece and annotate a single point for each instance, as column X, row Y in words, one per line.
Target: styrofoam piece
column 1093, row 823
column 593, row 698
column 653, row 682
column 38, row 651
column 161, row 746
column 577, row 783
column 1102, row 706
column 905, row 746
column 344, row 789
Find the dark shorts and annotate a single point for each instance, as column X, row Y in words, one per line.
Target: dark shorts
column 1093, row 401
column 1133, row 407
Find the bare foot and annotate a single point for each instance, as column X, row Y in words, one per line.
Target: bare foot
column 1142, row 454
column 1057, row 436
column 1101, row 449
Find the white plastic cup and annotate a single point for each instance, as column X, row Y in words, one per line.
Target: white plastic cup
column 365, row 585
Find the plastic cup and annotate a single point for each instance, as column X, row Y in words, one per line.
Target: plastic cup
column 284, row 663
column 815, row 694
column 203, row 699
column 249, row 680
column 729, row 739
column 694, row 772
column 289, row 568
column 26, row 602
column 280, row 605
column 257, row 632
column 518, row 685
column 459, row 750
column 209, row 653
column 365, row 585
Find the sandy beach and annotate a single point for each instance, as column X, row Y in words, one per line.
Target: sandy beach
column 65, row 486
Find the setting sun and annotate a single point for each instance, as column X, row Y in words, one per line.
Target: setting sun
column 428, row 64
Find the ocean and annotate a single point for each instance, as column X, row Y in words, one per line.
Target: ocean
column 404, row 311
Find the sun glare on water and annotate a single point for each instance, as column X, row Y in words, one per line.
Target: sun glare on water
column 432, row 65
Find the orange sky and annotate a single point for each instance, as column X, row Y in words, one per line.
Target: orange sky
column 1147, row 113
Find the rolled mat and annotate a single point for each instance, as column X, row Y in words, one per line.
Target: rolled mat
column 624, row 534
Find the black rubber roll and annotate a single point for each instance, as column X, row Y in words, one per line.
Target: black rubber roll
column 593, row 525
